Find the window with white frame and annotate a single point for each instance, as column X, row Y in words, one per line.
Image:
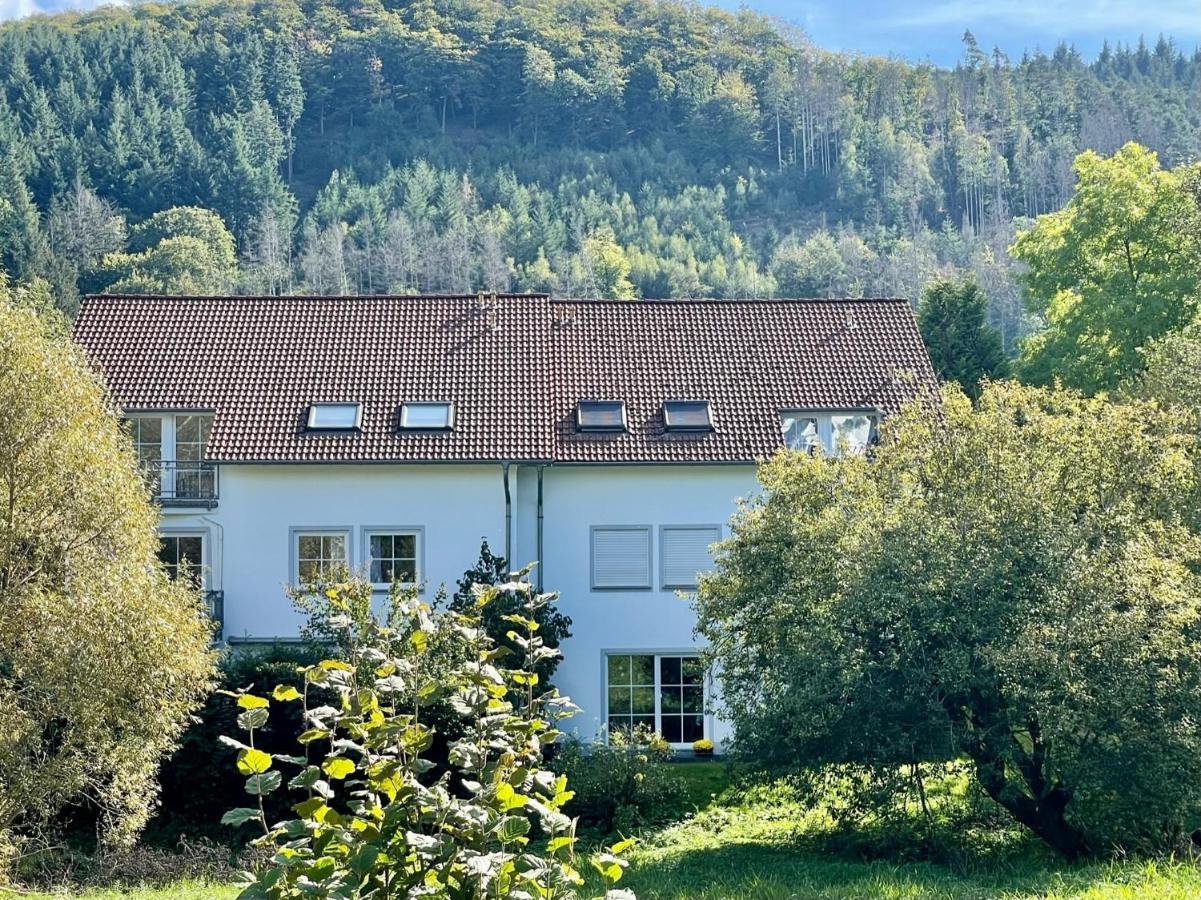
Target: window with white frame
column 147, row 435
column 833, row 432
column 192, row 477
column 684, row 553
column 335, row 416
column 319, row 554
column 392, row 555
column 664, row 693
column 182, row 553
column 621, row 557
column 427, row 416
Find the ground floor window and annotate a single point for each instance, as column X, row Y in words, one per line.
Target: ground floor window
column 181, row 553
column 664, row 693
column 320, row 554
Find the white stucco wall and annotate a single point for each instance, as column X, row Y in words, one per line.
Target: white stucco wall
column 575, row 498
column 249, row 543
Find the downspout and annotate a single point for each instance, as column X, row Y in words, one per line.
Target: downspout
column 504, row 466
column 538, row 549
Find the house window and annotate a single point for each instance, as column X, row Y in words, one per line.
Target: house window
column 392, row 556
column 180, row 553
column 427, row 416
column 836, row 432
column 320, row 554
column 687, row 415
column 621, row 557
column 601, row 415
column 335, row 416
column 663, row 693
column 147, row 435
column 193, row 479
column 684, row 553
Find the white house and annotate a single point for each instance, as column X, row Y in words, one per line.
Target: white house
column 608, row 440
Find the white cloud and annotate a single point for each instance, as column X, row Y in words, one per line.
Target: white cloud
column 16, row 9
column 1182, row 17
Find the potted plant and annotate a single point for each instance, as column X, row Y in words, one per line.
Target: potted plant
column 703, row 747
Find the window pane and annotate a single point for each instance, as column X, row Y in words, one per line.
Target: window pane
column 854, row 430
column 150, row 430
column 335, row 548
column 686, row 414
column 405, row 570
column 619, row 670
column 669, row 669
column 333, row 415
column 190, row 549
column 405, row 546
column 672, row 729
column 619, row 724
column 168, row 552
column 642, row 699
column 602, row 415
column 309, row 546
column 377, row 572
column 694, row 699
column 308, row 570
column 619, row 700
column 694, row 728
column 669, row 700
column 647, row 722
column 642, row 670
column 187, row 429
column 694, row 672
column 425, row 415
column 800, row 432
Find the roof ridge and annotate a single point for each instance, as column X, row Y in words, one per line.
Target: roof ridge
column 738, row 301
column 332, row 297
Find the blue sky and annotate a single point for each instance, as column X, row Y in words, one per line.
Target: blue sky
column 931, row 29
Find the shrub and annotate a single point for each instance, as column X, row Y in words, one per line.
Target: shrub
column 372, row 819
column 624, row 784
column 1015, row 583
column 102, row 657
column 203, row 760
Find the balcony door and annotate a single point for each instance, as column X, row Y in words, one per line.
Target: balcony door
column 171, row 448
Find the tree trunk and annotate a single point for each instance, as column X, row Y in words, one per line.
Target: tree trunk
column 1044, row 817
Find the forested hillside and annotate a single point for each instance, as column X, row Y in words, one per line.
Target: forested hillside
column 617, row 147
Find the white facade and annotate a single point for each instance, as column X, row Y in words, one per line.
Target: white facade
column 250, row 548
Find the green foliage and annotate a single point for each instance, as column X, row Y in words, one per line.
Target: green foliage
column 373, row 819
column 178, row 251
column 202, row 760
column 1173, row 374
column 1014, row 583
column 624, row 784
column 102, row 657
column 1117, row 267
column 810, row 269
column 963, row 347
column 553, row 626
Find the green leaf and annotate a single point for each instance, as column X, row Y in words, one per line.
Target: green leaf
column 252, row 719
column 285, row 692
column 510, row 828
column 253, row 762
column 313, row 734
column 250, row 701
column 261, row 785
column 338, row 767
column 240, row 816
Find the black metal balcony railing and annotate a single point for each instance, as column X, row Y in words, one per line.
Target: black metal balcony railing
column 215, row 601
column 184, row 483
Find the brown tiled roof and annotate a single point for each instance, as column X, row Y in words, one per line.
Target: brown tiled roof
column 514, row 367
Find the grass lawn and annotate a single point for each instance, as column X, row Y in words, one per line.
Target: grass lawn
column 765, row 851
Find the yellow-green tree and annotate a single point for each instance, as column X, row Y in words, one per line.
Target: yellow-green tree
column 184, row 250
column 1117, row 267
column 102, row 657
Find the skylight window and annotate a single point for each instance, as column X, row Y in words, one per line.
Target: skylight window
column 335, row 416
column 687, row 415
column 427, row 416
column 601, row 415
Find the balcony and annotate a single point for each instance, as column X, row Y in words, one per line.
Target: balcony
column 215, row 603
column 184, row 483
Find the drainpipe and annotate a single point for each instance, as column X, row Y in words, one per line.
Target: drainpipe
column 504, row 467
column 538, row 550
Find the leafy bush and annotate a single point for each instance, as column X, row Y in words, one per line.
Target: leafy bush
column 373, row 819
column 202, row 759
column 1015, row 583
column 623, row 785
column 102, row 656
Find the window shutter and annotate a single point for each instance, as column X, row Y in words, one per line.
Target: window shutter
column 685, row 552
column 621, row 557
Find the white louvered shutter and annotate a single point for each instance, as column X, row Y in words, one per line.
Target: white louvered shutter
column 621, row 557
column 685, row 552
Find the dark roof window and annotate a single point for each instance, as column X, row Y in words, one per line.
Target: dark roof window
column 427, row 416
column 335, row 416
column 601, row 415
column 687, row 415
